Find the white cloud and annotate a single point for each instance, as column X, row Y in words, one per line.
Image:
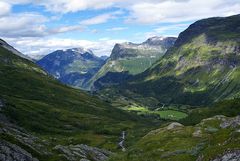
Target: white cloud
column 179, row 11
column 17, row 1
column 144, row 11
column 65, row 6
column 97, row 20
column 66, row 29
column 163, row 29
column 117, row 29
column 22, row 25
column 101, row 18
column 5, row 8
column 43, row 46
column 31, row 25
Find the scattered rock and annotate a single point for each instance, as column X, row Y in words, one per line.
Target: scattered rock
column 174, row 125
column 83, row 153
column 11, row 152
column 233, row 155
column 197, row 133
column 231, row 122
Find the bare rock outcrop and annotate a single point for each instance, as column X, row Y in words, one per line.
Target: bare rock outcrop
column 83, row 152
column 12, row 152
column 233, row 155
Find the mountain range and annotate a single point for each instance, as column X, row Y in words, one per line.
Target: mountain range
column 80, row 68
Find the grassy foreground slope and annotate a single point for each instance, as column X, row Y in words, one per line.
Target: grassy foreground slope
column 214, row 138
column 55, row 113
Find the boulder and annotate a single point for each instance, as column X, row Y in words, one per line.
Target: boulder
column 174, row 125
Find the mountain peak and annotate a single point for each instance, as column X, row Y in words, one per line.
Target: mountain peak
column 156, row 43
column 160, row 40
column 156, row 38
column 79, row 50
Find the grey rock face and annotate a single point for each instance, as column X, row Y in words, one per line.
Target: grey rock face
column 163, row 41
column 233, row 155
column 11, row 152
column 233, row 122
column 151, row 47
column 22, row 136
column 83, row 153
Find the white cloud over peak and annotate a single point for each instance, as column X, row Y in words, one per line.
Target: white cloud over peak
column 43, row 46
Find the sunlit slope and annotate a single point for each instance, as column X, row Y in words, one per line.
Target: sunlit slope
column 201, row 68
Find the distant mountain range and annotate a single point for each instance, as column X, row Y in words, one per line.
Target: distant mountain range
column 72, row 66
column 80, row 68
column 129, row 59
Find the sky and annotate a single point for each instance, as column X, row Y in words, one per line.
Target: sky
column 38, row 27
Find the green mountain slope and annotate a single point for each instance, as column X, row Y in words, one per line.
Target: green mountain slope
column 131, row 59
column 42, row 116
column 202, row 67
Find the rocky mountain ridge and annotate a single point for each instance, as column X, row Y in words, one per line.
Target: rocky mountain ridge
column 129, row 59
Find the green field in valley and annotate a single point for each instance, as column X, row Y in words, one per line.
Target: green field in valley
column 164, row 114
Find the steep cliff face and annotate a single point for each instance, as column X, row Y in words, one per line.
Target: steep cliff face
column 132, row 59
column 202, row 67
